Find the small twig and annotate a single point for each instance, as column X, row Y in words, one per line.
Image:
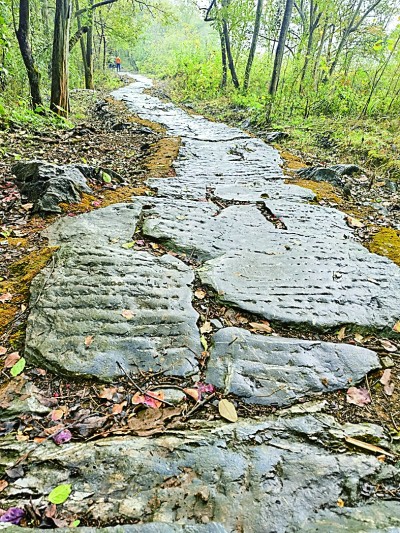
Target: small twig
column 198, row 405
column 140, row 388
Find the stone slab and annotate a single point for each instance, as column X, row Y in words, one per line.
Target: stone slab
column 307, row 285
column 90, row 282
column 280, row 371
column 253, row 476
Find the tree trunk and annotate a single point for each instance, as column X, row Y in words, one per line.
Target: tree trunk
column 231, row 63
column 89, row 57
column 256, row 31
column 280, row 49
column 44, row 7
column 224, row 78
column 59, row 102
column 77, row 35
column 22, row 33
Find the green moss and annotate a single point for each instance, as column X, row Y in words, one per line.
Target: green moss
column 387, row 243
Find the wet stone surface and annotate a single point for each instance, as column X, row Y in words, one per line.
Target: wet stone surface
column 278, row 371
column 242, row 476
column 285, row 473
column 93, row 279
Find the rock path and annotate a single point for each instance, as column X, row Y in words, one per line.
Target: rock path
column 263, row 248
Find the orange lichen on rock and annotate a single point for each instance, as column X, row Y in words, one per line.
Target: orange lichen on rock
column 164, row 152
column 386, row 242
column 22, row 273
column 291, row 161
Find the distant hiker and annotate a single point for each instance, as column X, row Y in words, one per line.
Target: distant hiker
column 118, row 63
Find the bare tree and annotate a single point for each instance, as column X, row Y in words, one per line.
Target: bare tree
column 280, row 49
column 59, row 102
column 23, row 37
column 256, row 31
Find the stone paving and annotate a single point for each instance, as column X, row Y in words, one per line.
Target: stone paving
column 260, row 246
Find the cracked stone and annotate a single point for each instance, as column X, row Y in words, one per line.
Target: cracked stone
column 280, row 371
column 260, row 469
column 90, row 282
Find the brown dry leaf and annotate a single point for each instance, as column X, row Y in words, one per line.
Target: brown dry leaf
column 206, row 328
column 396, row 327
column 341, row 333
column 151, row 421
column 3, row 350
column 389, row 388
column 200, row 294
column 389, row 346
column 368, row 446
column 118, row 408
column 88, row 341
column 340, row 502
column 11, row 359
column 354, row 222
column 261, row 326
column 358, row 397
column 108, row 393
column 21, row 438
column 128, row 314
column 193, row 393
column 3, row 484
column 358, row 338
column 227, row 410
column 51, row 510
column 9, row 389
column 6, row 297
column 56, row 414
column 386, row 376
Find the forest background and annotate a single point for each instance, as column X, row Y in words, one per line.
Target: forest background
column 325, row 71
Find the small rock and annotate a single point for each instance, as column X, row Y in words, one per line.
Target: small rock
column 174, row 396
column 387, row 362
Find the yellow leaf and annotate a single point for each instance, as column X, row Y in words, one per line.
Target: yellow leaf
column 341, row 333
column 354, row 222
column 227, row 410
column 340, row 502
column 396, row 327
column 262, row 326
column 358, row 338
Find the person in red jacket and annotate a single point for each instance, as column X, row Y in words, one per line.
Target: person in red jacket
column 118, row 63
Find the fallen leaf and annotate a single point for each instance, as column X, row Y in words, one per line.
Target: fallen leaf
column 204, row 342
column 340, row 502
column 27, row 207
column 358, row 397
column 152, row 421
column 62, row 437
column 396, row 327
column 227, row 410
column 367, row 446
column 261, row 326
column 3, row 350
column 354, row 222
column 56, row 414
column 118, row 408
column 51, row 510
column 206, row 328
column 154, row 245
column 11, row 359
column 88, row 341
column 389, row 347
column 18, row 367
column 128, row 314
column 60, row 494
column 108, row 393
column 386, row 376
column 128, row 245
column 151, row 400
column 23, row 308
column 3, row 484
column 205, row 388
column 341, row 333
column 13, row 515
column 200, row 294
column 75, row 523
column 6, row 297
column 358, row 338
column 193, row 393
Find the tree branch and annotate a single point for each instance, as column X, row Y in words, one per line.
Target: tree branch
column 78, row 34
column 94, row 6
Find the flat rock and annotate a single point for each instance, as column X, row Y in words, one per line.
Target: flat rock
column 307, row 285
column 91, row 281
column 243, row 475
column 280, row 371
